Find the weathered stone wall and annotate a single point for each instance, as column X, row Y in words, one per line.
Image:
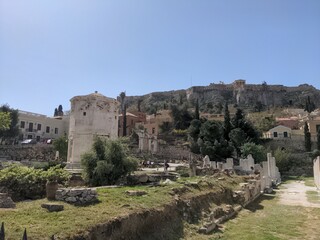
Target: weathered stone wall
column 38, row 152
column 173, row 152
column 77, row 196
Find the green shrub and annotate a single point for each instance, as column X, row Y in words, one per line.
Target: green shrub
column 29, row 183
column 57, row 174
column 107, row 162
column 258, row 152
column 283, row 158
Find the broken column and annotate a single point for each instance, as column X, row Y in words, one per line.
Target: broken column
column 316, row 171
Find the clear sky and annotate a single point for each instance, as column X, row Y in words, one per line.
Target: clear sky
column 51, row 51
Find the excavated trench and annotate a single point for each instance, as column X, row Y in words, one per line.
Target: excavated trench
column 168, row 221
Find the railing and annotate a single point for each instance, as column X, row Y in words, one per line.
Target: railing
column 24, row 236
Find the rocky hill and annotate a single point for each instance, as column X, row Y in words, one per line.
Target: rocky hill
column 253, row 97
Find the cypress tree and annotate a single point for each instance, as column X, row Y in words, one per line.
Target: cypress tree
column 318, row 139
column 227, row 123
column 307, row 137
column 197, row 112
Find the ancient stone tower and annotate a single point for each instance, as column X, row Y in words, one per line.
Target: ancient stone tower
column 91, row 115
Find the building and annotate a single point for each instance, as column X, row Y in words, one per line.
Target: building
column 279, row 132
column 40, row 127
column 291, row 122
column 154, row 121
column 91, row 115
column 314, row 126
column 132, row 120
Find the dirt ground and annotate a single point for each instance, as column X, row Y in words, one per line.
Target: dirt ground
column 294, row 194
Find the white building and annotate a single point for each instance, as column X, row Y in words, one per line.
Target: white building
column 278, row 132
column 40, row 127
column 91, row 115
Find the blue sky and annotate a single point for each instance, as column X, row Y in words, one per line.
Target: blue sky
column 51, row 51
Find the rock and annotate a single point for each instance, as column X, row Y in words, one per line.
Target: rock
column 71, row 199
column 167, row 182
column 53, row 207
column 143, row 178
column 269, row 190
column 6, row 201
column 136, row 193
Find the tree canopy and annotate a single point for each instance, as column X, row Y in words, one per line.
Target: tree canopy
column 107, row 162
column 12, row 131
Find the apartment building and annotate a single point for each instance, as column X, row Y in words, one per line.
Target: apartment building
column 40, row 127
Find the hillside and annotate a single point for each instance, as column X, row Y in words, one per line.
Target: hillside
column 253, row 97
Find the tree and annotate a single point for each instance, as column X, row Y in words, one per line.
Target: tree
column 282, row 157
column 193, row 134
column 307, row 137
column 60, row 110
column 55, row 112
column 13, row 131
column 309, row 106
column 238, row 137
column 239, row 121
column 139, row 104
column 181, row 116
column 61, row 145
column 5, row 121
column 318, row 139
column 108, row 162
column 227, row 123
column 258, row 152
column 211, row 141
column 197, row 113
column 165, row 127
column 124, row 113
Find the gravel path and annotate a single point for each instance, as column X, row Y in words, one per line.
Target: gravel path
column 294, row 194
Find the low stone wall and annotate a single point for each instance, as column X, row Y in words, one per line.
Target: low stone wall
column 37, row 152
column 136, row 179
column 77, row 196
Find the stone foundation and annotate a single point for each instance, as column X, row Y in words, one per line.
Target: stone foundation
column 77, row 196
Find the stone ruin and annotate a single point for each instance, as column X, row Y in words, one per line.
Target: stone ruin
column 316, row 171
column 269, row 172
column 77, row 196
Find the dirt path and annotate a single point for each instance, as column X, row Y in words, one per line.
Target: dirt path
column 294, row 194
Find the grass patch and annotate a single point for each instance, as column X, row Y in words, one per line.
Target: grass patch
column 114, row 202
column 265, row 219
column 313, row 196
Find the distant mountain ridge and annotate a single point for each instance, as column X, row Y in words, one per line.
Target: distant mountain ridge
column 253, row 97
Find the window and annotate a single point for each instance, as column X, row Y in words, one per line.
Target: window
column 47, row 129
column 22, row 124
column 285, row 134
column 153, row 130
column 84, row 113
column 39, row 127
column 56, row 131
column 275, row 134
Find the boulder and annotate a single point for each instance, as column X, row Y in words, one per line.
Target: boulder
column 6, row 201
column 136, row 193
column 51, row 207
